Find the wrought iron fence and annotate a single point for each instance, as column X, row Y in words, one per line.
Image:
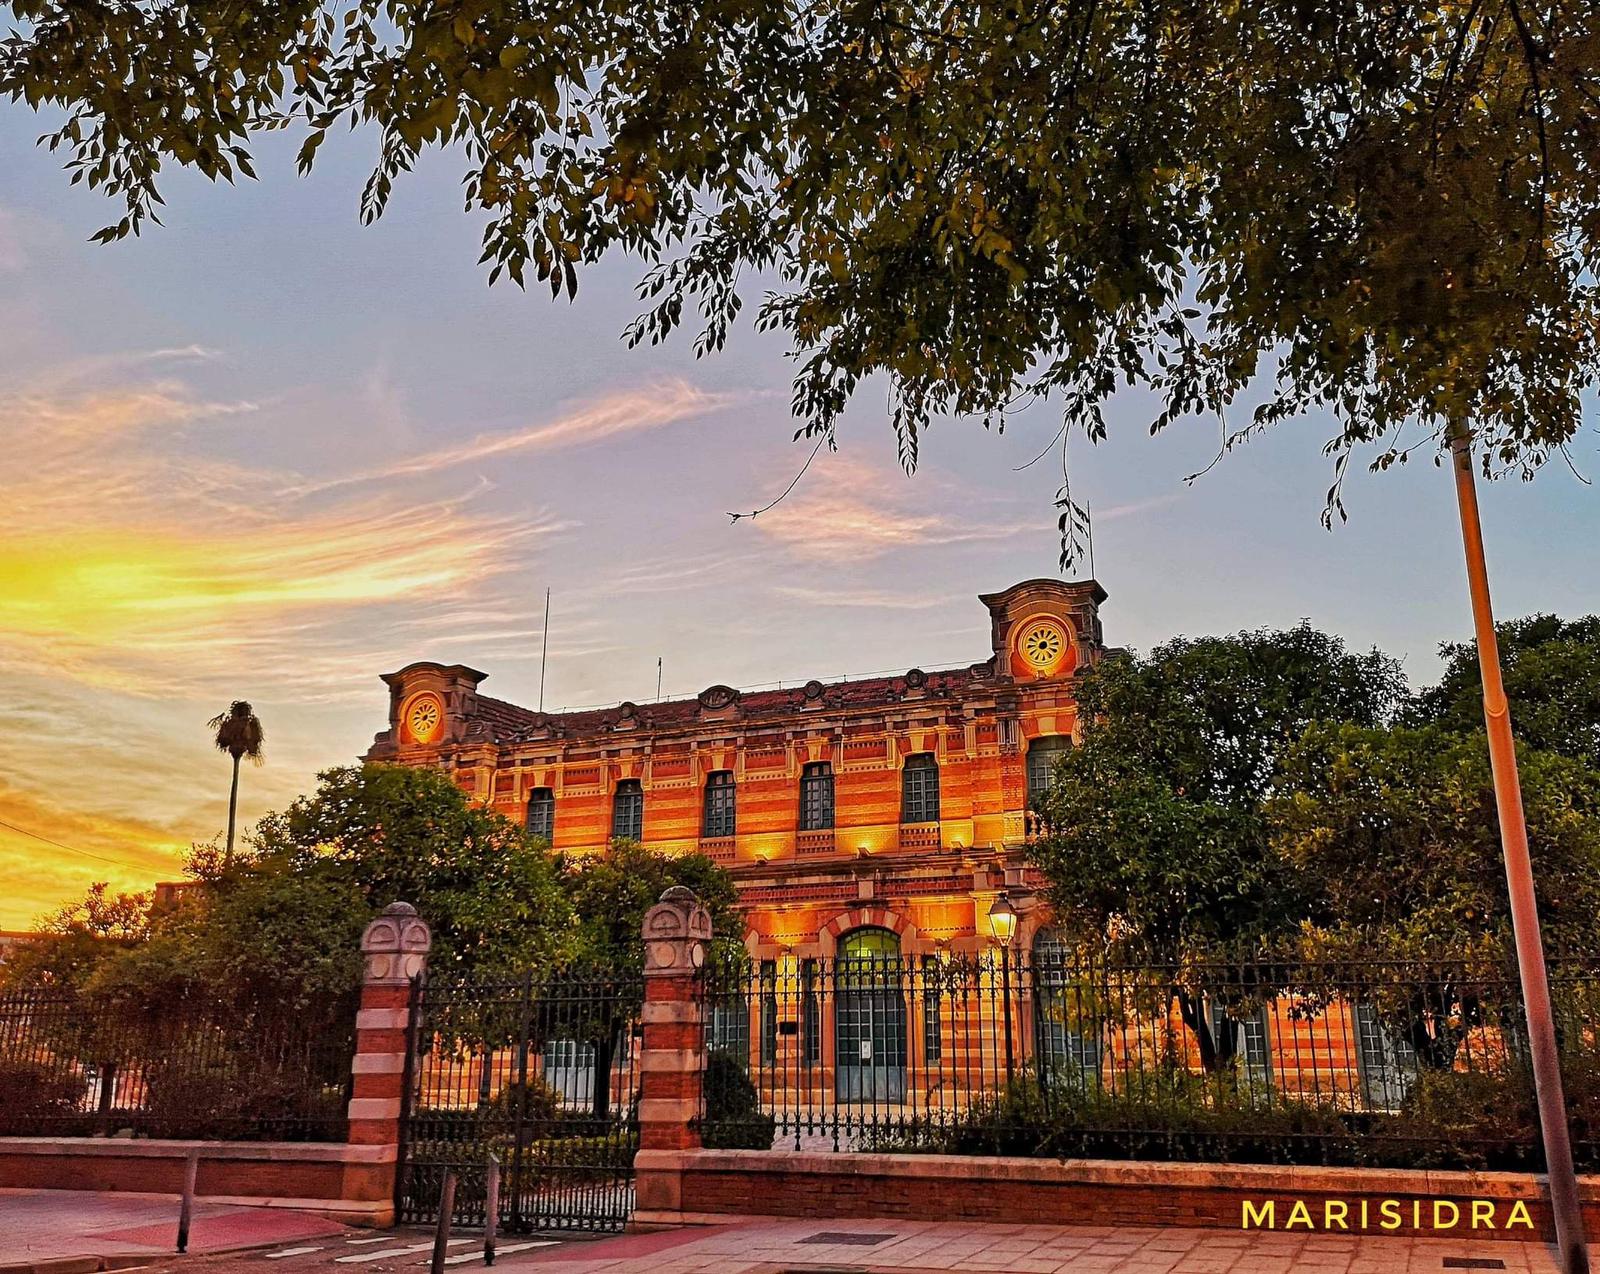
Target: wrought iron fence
column 540, row 1072
column 1048, row 1052
column 75, row 1065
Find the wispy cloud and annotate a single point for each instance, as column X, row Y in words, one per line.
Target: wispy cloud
column 630, row 411
column 858, row 599
column 849, row 509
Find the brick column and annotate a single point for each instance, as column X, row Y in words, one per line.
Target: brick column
column 677, row 936
column 394, row 949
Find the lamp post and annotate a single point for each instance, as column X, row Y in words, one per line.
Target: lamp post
column 1564, row 1198
column 1003, row 925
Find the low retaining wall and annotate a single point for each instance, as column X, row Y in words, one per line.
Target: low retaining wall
column 354, row 1184
column 705, row 1186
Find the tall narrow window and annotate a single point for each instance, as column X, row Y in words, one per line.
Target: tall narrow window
column 542, row 813
column 816, row 797
column 1043, row 753
column 627, row 811
column 932, row 1009
column 718, row 819
column 769, row 1013
column 810, row 1015
column 919, row 789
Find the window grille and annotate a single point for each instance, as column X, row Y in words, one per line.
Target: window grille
column 1043, row 754
column 919, row 789
column 816, row 797
column 542, row 813
column 627, row 811
column 719, row 818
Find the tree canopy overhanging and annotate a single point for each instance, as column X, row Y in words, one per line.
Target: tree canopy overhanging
column 1382, row 210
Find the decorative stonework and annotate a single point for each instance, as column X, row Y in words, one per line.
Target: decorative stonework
column 394, row 948
column 676, row 933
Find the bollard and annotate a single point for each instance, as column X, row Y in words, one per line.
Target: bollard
column 491, row 1208
column 441, row 1236
column 191, row 1170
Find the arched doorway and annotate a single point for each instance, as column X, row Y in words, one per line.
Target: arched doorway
column 869, row 1023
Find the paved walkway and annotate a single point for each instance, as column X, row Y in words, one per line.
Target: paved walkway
column 39, row 1225
column 776, row 1247
column 42, row 1225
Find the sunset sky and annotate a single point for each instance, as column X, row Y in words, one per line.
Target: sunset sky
column 266, row 453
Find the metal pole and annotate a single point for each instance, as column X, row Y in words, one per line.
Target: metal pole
column 191, row 1170
column 441, row 1234
column 491, row 1208
column 1564, row 1201
column 544, row 647
column 1005, row 995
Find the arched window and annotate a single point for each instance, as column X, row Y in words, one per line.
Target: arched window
column 627, row 811
column 816, row 797
column 718, row 819
column 919, row 789
column 542, row 813
column 869, row 1017
column 1043, row 753
column 1068, row 1022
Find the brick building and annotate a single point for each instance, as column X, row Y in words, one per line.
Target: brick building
column 890, row 804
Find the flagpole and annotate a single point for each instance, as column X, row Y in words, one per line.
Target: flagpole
column 544, row 649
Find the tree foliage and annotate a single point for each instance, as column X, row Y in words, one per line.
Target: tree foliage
column 392, row 832
column 1156, row 820
column 1552, row 677
column 1394, row 833
column 1384, row 210
column 610, row 893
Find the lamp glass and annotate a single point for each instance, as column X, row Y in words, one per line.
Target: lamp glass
column 1002, row 920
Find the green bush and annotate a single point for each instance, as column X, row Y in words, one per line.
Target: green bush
column 734, row 1118
column 227, row 1100
column 36, row 1099
column 1450, row 1120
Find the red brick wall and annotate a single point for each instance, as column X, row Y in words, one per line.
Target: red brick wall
column 1086, row 1193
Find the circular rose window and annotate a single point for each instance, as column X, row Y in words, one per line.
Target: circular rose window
column 423, row 718
column 1042, row 645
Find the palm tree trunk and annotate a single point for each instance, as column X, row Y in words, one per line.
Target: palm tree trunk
column 233, row 805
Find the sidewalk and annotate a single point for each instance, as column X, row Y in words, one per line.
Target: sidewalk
column 47, row 1225
column 871, row 1247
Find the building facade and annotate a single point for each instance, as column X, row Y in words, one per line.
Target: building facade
column 884, row 806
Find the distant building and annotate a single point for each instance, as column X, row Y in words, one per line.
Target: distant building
column 169, row 893
column 10, row 939
column 846, row 811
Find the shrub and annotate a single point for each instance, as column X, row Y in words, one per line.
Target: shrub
column 38, row 1099
column 228, row 1100
column 734, row 1118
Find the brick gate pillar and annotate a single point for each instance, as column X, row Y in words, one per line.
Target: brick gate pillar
column 394, row 950
column 677, row 938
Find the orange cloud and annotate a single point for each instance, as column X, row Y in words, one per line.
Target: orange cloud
column 848, row 509
column 131, row 854
column 630, row 411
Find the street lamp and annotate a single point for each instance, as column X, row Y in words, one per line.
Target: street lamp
column 1565, row 1204
column 1003, row 925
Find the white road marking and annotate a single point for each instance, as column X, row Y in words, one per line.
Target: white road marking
column 291, row 1251
column 499, row 1251
column 360, row 1257
column 382, row 1238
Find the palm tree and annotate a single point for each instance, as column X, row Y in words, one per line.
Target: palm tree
column 239, row 734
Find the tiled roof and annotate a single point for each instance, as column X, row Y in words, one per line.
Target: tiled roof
column 508, row 723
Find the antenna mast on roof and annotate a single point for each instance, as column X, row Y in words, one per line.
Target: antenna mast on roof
column 544, row 649
column 658, row 678
column 1088, row 518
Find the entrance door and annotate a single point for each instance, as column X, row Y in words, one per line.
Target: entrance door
column 869, row 1027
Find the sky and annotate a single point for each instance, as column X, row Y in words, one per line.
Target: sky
column 267, row 453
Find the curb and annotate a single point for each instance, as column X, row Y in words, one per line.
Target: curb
column 78, row 1264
